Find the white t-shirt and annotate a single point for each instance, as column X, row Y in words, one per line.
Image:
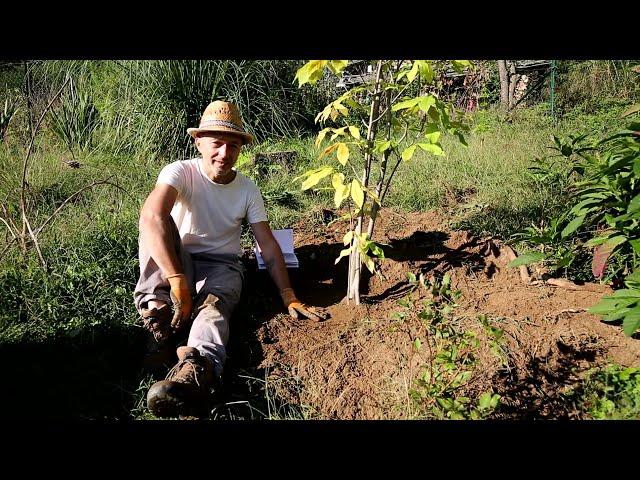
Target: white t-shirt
column 209, row 215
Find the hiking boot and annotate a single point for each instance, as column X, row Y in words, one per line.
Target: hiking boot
column 185, row 390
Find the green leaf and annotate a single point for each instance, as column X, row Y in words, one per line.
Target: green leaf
column 631, row 322
column 383, row 146
column 432, row 148
column 572, row 226
column 376, row 250
column 408, row 152
column 484, row 401
column 343, row 153
column 634, row 204
column 635, row 244
column 357, row 193
column 426, row 72
column 369, row 263
column 417, row 344
column 313, row 179
column 610, row 305
column 460, row 65
column 527, row 258
column 406, row 104
column 432, row 133
column 426, row 103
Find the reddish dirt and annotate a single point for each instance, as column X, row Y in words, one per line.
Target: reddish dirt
column 361, row 363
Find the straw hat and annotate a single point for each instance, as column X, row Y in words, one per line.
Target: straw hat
column 222, row 116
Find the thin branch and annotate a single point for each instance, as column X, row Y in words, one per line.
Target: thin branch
column 23, row 185
column 71, row 197
column 14, row 234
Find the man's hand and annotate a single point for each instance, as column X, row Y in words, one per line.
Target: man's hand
column 295, row 306
column 182, row 302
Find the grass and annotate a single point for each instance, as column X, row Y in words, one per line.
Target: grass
column 609, row 393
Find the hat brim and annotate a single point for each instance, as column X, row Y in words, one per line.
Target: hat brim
column 246, row 137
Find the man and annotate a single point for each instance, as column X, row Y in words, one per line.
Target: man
column 190, row 227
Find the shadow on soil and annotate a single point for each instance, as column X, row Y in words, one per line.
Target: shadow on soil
column 98, row 374
column 539, row 393
column 91, row 376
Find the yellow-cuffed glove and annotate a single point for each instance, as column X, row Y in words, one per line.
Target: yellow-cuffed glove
column 182, row 302
column 295, row 306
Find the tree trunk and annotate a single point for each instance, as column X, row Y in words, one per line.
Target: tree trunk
column 355, row 262
column 513, row 80
column 504, row 84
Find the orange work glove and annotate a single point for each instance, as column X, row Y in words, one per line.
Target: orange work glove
column 295, row 306
column 182, row 302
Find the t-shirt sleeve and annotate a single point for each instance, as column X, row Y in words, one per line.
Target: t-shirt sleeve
column 256, row 211
column 174, row 175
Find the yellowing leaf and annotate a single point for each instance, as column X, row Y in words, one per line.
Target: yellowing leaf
column 316, row 177
column 310, row 72
column 321, row 135
column 357, row 193
column 367, row 260
column 408, row 152
column 341, row 190
column 337, row 180
column 355, row 133
column 340, row 194
column 346, row 240
column 341, row 108
column 343, row 253
column 343, row 153
column 328, row 150
column 413, row 72
column 324, row 114
column 337, row 66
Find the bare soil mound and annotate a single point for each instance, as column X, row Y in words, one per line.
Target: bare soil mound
column 362, row 362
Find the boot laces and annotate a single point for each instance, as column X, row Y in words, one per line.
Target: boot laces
column 193, row 370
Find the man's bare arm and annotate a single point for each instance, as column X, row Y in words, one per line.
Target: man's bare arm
column 274, row 261
column 155, row 228
column 272, row 254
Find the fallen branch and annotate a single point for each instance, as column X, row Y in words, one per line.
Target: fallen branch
column 511, row 255
column 568, row 285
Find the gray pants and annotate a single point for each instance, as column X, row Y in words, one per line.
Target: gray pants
column 216, row 284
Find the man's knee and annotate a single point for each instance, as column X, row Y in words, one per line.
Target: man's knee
column 209, row 308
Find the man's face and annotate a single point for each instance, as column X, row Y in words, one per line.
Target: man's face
column 219, row 152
